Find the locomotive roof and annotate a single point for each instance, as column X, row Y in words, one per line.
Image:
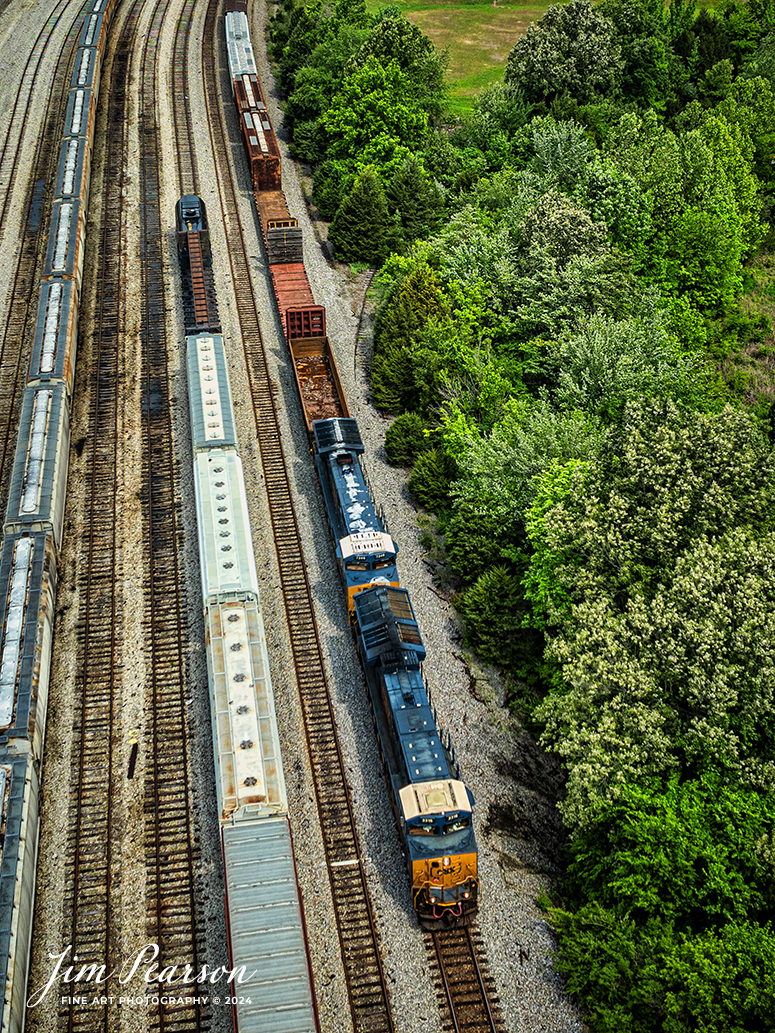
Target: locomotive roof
column 439, row 797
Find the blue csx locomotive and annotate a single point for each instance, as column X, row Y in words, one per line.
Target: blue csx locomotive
column 433, row 806
column 365, row 552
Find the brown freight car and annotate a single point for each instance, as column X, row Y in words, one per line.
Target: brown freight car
column 317, row 378
column 281, row 232
column 291, row 289
column 257, row 133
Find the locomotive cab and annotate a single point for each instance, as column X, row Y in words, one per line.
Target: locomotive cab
column 366, row 560
column 191, row 217
column 442, row 855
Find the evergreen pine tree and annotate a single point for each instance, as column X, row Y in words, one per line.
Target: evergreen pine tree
column 417, row 202
column 361, row 226
column 404, row 314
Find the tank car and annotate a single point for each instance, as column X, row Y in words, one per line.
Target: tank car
column 365, row 552
column 36, row 500
column 433, row 807
column 18, row 854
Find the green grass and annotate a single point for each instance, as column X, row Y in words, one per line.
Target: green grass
column 478, row 35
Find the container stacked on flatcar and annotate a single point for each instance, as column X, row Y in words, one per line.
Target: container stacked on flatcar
column 32, row 531
column 433, row 807
column 263, row 905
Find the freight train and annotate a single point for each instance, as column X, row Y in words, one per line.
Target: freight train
column 33, row 527
column 433, row 807
column 265, row 919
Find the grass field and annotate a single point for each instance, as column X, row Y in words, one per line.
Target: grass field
column 479, row 36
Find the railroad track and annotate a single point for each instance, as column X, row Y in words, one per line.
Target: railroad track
column 360, row 951
column 465, row 991
column 93, row 877
column 9, row 155
column 185, row 151
column 16, row 340
column 171, row 841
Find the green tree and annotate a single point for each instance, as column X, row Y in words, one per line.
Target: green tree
column 571, row 50
column 687, row 853
column 374, row 105
column 608, row 363
column 556, row 230
column 493, row 609
column 703, row 260
column 500, row 470
column 406, row 310
column 431, row 477
column 722, row 981
column 396, row 39
column 614, row 966
column 641, row 34
column 418, row 203
column 359, row 232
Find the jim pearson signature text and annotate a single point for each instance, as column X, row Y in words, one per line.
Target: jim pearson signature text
column 143, row 964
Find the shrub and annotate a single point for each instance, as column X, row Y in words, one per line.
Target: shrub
column 493, row 609
column 405, row 439
column 431, row 478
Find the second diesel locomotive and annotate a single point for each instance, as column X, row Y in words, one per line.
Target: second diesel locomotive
column 433, row 807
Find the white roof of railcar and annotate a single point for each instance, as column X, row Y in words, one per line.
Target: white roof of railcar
column 249, row 773
column 238, row 44
column 225, row 545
